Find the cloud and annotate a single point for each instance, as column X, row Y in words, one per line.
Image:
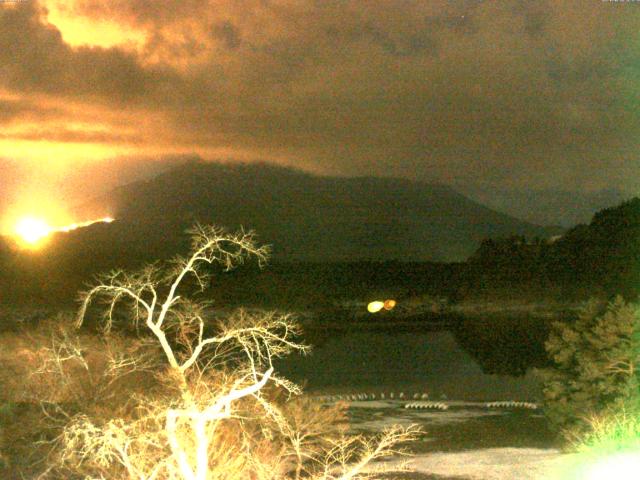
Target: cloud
column 64, row 135
column 228, row 33
column 511, row 92
column 35, row 58
column 16, row 109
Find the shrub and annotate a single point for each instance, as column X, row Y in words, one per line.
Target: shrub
column 189, row 399
column 53, row 372
column 595, row 372
column 609, row 434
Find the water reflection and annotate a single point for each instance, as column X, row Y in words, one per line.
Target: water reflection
column 505, row 345
column 473, row 362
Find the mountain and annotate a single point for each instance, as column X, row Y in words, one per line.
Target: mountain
column 305, row 217
column 606, row 252
column 601, row 258
column 546, row 206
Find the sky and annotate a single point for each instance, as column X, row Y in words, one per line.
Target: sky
column 494, row 94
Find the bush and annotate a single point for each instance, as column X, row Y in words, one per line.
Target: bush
column 595, row 372
column 609, row 434
column 187, row 399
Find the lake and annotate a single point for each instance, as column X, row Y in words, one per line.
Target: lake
column 468, row 439
column 430, row 362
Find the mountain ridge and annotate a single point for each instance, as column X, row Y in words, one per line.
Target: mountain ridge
column 309, row 217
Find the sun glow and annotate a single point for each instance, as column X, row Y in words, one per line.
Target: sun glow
column 32, row 231
column 75, row 226
column 78, row 30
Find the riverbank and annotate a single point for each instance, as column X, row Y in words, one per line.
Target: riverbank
column 469, row 441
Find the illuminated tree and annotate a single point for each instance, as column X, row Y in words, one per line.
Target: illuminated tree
column 211, row 413
column 596, row 366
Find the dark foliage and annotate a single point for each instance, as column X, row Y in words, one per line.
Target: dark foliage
column 596, row 362
column 504, row 345
column 600, row 259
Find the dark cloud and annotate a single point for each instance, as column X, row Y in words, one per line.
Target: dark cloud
column 10, row 110
column 513, row 93
column 228, row 34
column 15, row 109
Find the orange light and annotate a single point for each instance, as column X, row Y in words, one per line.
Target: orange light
column 31, row 231
column 75, row 226
column 389, row 304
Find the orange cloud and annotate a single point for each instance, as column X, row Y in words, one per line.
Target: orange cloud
column 94, row 32
column 509, row 92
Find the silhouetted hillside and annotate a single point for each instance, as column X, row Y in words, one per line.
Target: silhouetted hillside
column 308, row 217
column 305, row 218
column 605, row 253
column 546, row 206
column 601, row 258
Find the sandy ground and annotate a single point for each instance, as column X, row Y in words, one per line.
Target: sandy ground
column 497, row 464
column 520, row 464
column 473, row 443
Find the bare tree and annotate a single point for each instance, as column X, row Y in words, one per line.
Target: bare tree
column 212, row 371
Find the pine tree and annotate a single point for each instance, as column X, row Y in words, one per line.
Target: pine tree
column 596, row 366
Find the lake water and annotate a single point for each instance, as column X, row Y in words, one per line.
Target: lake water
column 409, row 362
column 468, row 440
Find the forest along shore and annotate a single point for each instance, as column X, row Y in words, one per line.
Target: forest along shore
column 432, row 316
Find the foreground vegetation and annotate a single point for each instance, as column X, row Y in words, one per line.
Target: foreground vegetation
column 592, row 392
column 177, row 397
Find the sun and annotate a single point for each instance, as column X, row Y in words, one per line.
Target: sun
column 31, row 230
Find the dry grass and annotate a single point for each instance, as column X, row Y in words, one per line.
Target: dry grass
column 197, row 402
column 72, row 416
column 610, row 433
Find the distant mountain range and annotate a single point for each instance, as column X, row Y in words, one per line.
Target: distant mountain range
column 546, row 206
column 601, row 258
column 305, row 217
